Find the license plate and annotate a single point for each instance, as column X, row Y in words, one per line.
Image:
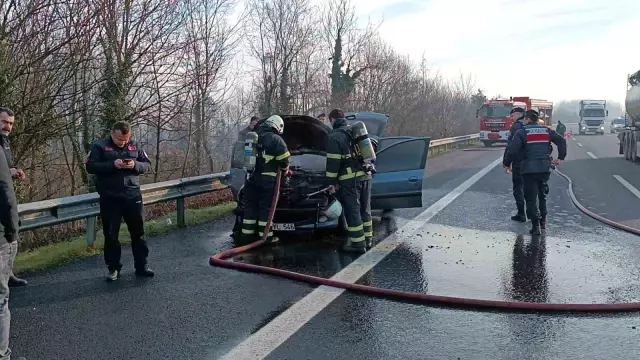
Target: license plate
column 283, row 227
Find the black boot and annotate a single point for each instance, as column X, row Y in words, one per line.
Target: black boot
column 520, row 216
column 535, row 227
column 15, row 281
column 543, row 222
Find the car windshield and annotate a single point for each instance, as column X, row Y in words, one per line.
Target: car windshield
column 496, row 111
column 619, row 121
column 593, row 113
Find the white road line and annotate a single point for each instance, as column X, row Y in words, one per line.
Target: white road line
column 591, row 155
column 269, row 337
column 579, row 144
column 626, row 184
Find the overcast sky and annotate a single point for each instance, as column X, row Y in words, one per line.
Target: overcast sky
column 549, row 49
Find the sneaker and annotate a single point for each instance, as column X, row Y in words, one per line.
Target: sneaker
column 145, row 272
column 113, row 275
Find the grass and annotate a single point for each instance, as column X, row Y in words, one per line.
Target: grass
column 76, row 248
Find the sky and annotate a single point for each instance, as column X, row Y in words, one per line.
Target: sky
column 545, row 49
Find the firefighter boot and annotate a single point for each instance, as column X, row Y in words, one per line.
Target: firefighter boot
column 368, row 242
column 355, row 247
column 535, row 227
column 520, row 216
column 543, row 222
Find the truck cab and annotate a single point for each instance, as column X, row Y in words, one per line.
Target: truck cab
column 495, row 120
column 593, row 114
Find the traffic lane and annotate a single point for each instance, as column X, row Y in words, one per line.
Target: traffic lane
column 602, row 146
column 580, row 260
column 189, row 310
column 472, row 249
column 321, row 256
column 595, row 181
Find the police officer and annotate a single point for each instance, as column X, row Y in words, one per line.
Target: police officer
column 7, row 120
column 117, row 162
column 532, row 144
column 273, row 156
column 353, row 183
column 517, row 114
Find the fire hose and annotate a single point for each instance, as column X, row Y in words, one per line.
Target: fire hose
column 223, row 260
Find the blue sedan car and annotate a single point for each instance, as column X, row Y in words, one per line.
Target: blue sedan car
column 303, row 206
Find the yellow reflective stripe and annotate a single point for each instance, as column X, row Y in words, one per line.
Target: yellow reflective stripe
column 332, row 175
column 334, row 156
column 262, row 233
column 367, row 223
column 268, row 158
column 249, row 232
column 357, row 239
column 351, row 175
column 283, row 156
column 355, row 228
column 249, row 221
column 368, row 234
column 270, row 174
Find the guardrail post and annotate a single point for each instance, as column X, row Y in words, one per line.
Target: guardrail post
column 92, row 231
column 180, row 212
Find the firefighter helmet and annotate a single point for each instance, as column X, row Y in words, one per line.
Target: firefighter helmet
column 275, row 122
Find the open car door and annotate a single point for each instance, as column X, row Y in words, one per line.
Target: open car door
column 400, row 169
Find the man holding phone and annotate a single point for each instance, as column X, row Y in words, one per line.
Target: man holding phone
column 117, row 163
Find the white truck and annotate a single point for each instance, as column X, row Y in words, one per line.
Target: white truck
column 630, row 137
column 593, row 114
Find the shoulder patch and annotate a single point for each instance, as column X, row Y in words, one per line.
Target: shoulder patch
column 537, row 135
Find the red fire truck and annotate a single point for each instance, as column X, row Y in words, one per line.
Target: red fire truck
column 495, row 120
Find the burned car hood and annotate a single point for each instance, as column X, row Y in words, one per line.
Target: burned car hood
column 305, row 133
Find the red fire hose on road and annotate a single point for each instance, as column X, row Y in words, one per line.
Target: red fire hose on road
column 221, row 260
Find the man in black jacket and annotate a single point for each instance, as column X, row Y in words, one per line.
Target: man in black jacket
column 8, row 247
column 7, row 120
column 117, row 162
column 514, row 166
column 532, row 144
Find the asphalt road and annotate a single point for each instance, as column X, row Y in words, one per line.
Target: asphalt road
column 601, row 177
column 468, row 248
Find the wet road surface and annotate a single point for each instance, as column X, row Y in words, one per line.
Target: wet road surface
column 193, row 311
column 598, row 173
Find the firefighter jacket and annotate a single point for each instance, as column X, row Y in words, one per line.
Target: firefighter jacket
column 515, row 161
column 533, row 143
column 111, row 181
column 272, row 153
column 342, row 165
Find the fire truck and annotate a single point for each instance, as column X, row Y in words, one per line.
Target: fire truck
column 495, row 118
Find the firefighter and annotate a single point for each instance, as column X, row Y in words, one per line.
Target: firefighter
column 272, row 156
column 531, row 144
column 352, row 181
column 513, row 166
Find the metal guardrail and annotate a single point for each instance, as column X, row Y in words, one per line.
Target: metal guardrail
column 46, row 213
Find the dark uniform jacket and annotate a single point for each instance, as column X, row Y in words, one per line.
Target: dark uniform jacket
column 532, row 144
column 272, row 153
column 9, row 221
column 515, row 161
column 6, row 147
column 341, row 162
column 111, row 181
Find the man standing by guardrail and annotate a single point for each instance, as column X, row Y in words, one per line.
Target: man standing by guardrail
column 117, row 162
column 8, row 247
column 7, row 119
